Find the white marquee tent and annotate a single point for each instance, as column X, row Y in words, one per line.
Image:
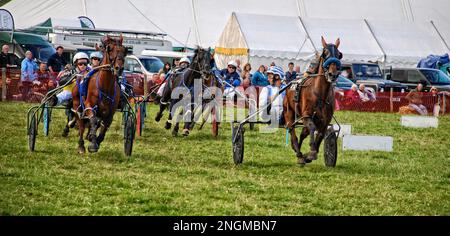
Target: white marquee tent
column 201, row 22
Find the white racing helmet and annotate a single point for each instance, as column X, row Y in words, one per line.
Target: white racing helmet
column 185, row 59
column 232, row 63
column 80, row 55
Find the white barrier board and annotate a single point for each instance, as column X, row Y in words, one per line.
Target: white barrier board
column 419, row 121
column 345, row 129
column 365, row 143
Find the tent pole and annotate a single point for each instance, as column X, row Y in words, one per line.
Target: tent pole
column 194, row 16
column 307, row 34
column 376, row 40
column 440, row 35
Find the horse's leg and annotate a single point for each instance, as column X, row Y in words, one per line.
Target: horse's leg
column 187, row 124
column 93, row 146
column 312, row 155
column 81, row 148
column 303, row 135
column 289, row 116
column 159, row 115
column 103, row 128
column 175, row 129
column 319, row 137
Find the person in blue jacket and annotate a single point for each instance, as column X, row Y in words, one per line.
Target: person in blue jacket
column 231, row 76
column 259, row 78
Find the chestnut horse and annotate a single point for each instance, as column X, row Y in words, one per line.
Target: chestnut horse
column 313, row 104
column 103, row 94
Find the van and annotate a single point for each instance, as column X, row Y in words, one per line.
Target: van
column 167, row 56
column 427, row 77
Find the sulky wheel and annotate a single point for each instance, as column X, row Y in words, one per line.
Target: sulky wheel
column 130, row 127
column 32, row 132
column 330, row 152
column 238, row 144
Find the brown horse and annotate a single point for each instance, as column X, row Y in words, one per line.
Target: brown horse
column 313, row 104
column 103, row 94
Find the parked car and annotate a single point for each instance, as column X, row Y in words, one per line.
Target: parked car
column 371, row 75
column 344, row 83
column 139, row 68
column 428, row 77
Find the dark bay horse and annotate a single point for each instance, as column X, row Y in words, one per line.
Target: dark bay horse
column 180, row 85
column 313, row 106
column 103, row 94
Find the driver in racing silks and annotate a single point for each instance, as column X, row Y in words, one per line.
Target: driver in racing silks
column 67, row 78
column 184, row 64
column 269, row 97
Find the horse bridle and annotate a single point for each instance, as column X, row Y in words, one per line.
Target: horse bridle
column 334, row 57
column 115, row 72
column 202, row 67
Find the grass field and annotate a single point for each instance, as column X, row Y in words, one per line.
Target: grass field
column 196, row 175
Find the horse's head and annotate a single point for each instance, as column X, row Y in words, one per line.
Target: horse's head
column 114, row 53
column 202, row 61
column 331, row 57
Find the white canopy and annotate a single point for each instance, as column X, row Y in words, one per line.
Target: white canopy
column 357, row 42
column 261, row 39
column 200, row 22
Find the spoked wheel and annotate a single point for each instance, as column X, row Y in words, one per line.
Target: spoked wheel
column 330, row 152
column 214, row 123
column 32, row 132
column 238, row 144
column 47, row 113
column 130, row 128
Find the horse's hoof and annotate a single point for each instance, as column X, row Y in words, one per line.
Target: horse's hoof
column 301, row 161
column 65, row 132
column 158, row 117
column 81, row 150
column 174, row 133
column 185, row 132
column 167, row 126
column 93, row 147
column 311, row 156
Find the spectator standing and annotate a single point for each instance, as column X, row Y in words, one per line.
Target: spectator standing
column 260, row 78
column 28, row 74
column 291, row 74
column 248, row 68
column 7, row 59
column 28, row 68
column 166, row 68
column 56, row 62
column 238, row 67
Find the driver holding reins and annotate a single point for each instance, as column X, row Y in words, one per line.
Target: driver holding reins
column 80, row 60
column 182, row 66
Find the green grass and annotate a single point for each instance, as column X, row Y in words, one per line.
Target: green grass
column 196, row 175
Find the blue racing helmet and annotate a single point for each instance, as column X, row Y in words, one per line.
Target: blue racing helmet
column 97, row 54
